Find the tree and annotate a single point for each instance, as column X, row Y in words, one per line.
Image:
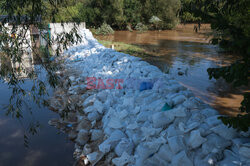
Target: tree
column 15, row 43
column 132, row 12
column 231, row 23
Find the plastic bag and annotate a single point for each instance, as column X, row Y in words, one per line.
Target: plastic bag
column 146, row 86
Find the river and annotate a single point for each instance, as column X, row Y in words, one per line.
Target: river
column 187, row 55
column 48, row 146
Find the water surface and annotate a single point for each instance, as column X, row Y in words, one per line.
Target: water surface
column 48, row 146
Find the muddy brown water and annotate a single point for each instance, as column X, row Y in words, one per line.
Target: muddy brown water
column 187, row 55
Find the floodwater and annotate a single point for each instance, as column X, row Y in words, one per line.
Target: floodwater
column 187, row 55
column 48, row 146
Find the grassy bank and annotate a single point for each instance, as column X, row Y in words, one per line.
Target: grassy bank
column 130, row 49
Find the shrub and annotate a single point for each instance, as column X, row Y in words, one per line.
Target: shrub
column 105, row 29
column 141, row 27
column 129, row 28
column 155, row 21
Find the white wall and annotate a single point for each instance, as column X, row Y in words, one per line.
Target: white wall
column 57, row 28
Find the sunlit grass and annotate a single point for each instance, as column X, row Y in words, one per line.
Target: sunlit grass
column 130, row 49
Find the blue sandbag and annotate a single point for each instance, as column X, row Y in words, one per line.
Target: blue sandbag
column 146, row 86
column 166, row 107
column 52, row 58
column 69, row 125
column 77, row 59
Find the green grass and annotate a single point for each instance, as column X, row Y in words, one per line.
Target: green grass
column 130, row 49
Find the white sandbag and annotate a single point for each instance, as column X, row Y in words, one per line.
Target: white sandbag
column 213, row 121
column 191, row 126
column 89, row 100
column 239, row 141
column 82, row 137
column 136, row 110
column 199, row 160
column 225, row 132
column 193, row 103
column 213, row 157
column 132, row 126
column 94, row 115
column 143, row 116
column 125, row 145
column 208, row 112
column 123, row 160
column 173, row 130
column 86, row 149
column 204, row 129
column 115, row 123
column 108, row 130
column 123, row 114
column 175, row 88
column 112, row 141
column 89, row 109
column 230, row 159
column 187, row 93
column 181, row 159
column 195, row 140
column 84, row 124
column 155, row 160
column 102, row 95
column 159, row 84
column 245, row 150
column 98, row 106
column 165, row 153
column 105, row 147
column 72, row 78
column 177, row 112
column 161, row 119
column 95, row 157
column 156, row 105
column 176, row 144
column 214, row 142
column 96, row 134
column 143, row 152
column 179, row 99
column 155, row 144
column 150, row 131
column 196, row 117
column 129, row 102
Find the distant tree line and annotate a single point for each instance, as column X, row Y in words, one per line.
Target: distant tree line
column 120, row 13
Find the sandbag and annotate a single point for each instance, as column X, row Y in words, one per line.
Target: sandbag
column 176, row 143
column 181, row 159
column 195, row 140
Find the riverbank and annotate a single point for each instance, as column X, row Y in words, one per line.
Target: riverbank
column 163, row 125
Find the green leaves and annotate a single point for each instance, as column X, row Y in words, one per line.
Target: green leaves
column 237, row 73
column 245, row 104
column 105, row 29
column 241, row 122
column 231, row 20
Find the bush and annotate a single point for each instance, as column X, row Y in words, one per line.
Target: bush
column 129, row 28
column 155, row 21
column 105, row 29
column 189, row 17
column 141, row 27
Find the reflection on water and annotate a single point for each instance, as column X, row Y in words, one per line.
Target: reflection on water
column 48, row 146
column 187, row 56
